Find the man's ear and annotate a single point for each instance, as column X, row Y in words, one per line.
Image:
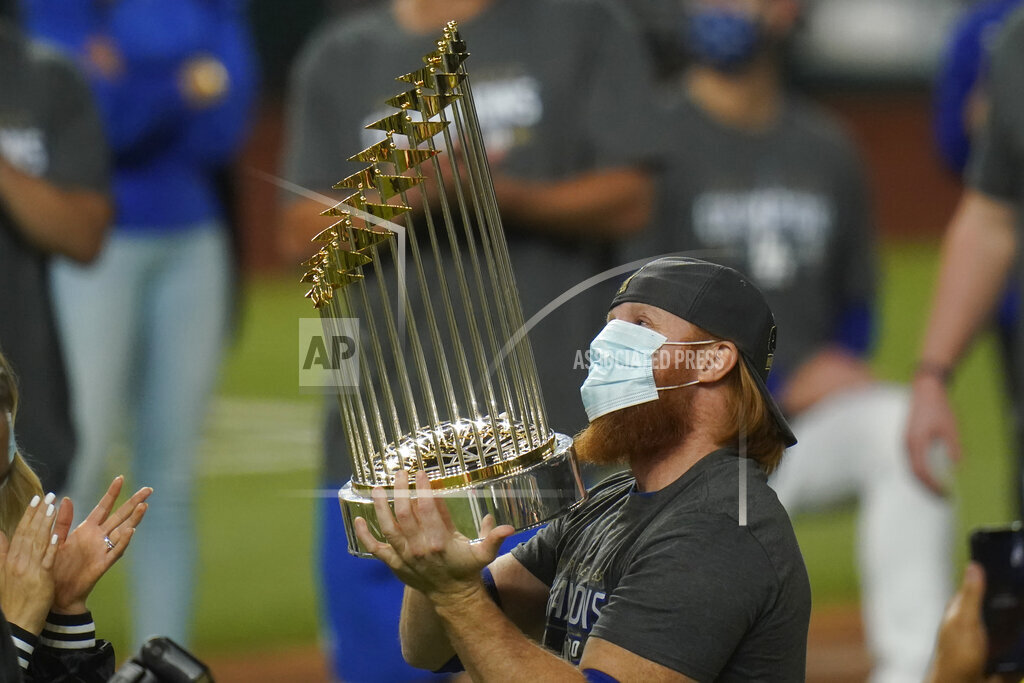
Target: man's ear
column 719, row 360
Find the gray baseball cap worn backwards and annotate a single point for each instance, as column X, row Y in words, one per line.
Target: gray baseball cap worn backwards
column 719, row 300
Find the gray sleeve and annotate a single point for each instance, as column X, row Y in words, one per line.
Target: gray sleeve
column 619, row 110
column 77, row 150
column 995, row 165
column 317, row 122
column 539, row 555
column 690, row 596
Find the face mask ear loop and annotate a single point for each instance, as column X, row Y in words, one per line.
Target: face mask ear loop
column 679, row 386
column 685, row 343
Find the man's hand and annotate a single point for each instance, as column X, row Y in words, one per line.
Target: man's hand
column 26, row 564
column 424, row 549
column 827, row 372
column 83, row 555
column 931, row 421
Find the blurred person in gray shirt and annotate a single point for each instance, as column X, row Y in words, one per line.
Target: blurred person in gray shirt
column 53, row 200
column 774, row 186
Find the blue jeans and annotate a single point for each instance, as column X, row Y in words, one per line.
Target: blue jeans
column 361, row 604
column 143, row 329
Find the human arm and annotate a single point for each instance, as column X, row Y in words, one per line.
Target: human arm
column 425, row 552
column 59, row 203
column 26, row 568
column 603, row 203
column 521, row 597
column 977, row 255
column 827, row 372
column 54, row 219
column 82, row 555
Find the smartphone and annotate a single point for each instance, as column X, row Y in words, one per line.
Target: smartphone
column 1000, row 551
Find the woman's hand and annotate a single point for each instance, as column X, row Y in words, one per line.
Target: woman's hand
column 84, row 555
column 26, row 567
column 424, row 549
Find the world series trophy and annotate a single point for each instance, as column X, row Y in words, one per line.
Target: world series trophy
column 453, row 391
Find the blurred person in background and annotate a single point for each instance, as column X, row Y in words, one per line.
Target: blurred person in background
column 961, row 108
column 563, row 93
column 47, row 571
column 145, row 324
column 53, row 200
column 979, row 252
column 775, row 187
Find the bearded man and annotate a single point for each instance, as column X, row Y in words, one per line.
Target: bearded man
column 683, row 568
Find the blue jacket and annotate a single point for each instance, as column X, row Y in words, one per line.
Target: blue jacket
column 165, row 151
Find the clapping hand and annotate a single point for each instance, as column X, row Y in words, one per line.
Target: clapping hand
column 85, row 554
column 26, row 567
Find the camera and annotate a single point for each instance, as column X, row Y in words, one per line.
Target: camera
column 161, row 660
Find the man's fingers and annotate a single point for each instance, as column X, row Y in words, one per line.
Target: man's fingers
column 491, row 543
column 126, row 509
column 106, row 504
column 382, row 551
column 385, row 519
column 427, row 505
column 408, row 523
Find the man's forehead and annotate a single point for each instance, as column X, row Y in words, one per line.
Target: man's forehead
column 631, row 308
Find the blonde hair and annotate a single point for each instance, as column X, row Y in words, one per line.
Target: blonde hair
column 21, row 482
column 749, row 416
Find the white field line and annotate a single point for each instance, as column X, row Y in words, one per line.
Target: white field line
column 257, row 436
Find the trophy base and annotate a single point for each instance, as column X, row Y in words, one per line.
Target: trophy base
column 524, row 498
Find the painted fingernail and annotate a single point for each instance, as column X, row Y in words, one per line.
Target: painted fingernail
column 49, row 510
column 34, row 502
column 49, row 497
column 53, row 539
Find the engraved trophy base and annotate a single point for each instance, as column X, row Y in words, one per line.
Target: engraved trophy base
column 524, row 497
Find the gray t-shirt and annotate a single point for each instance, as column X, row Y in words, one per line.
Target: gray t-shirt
column 996, row 165
column 48, row 128
column 787, row 206
column 559, row 87
column 672, row 576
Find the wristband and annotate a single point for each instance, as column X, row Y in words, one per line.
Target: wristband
column 940, row 371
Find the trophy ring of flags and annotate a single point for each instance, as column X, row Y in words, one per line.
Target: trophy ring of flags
column 448, row 385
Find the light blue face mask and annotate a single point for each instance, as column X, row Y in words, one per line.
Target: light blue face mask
column 622, row 368
column 12, row 445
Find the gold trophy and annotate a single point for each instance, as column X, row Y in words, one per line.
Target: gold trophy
column 448, row 386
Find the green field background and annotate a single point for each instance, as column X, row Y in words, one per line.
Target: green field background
column 259, row 457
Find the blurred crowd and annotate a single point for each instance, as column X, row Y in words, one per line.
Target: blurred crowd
column 639, row 130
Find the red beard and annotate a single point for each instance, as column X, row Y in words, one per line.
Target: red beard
column 638, row 432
